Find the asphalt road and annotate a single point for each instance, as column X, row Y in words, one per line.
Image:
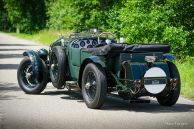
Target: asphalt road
column 62, row 109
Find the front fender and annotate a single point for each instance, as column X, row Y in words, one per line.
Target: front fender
column 35, row 61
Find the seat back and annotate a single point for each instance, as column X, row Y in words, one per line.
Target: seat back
column 84, row 43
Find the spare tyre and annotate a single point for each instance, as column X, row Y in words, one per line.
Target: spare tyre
column 172, row 97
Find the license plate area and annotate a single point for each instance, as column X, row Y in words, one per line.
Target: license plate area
column 155, row 81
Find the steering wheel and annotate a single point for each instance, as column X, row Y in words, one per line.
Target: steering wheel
column 107, row 35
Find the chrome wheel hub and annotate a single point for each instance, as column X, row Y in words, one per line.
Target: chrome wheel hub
column 28, row 75
column 88, row 85
column 53, row 66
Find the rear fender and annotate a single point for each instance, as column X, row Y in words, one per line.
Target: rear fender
column 98, row 60
column 92, row 59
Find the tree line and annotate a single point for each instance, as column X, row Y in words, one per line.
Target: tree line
column 139, row 21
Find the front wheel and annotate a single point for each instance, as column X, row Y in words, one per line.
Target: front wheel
column 94, row 86
column 173, row 95
column 58, row 67
column 27, row 81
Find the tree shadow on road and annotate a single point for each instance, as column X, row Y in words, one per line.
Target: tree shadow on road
column 6, row 88
column 69, row 95
column 8, row 66
column 113, row 103
column 152, row 107
column 6, row 44
column 19, row 49
column 2, row 56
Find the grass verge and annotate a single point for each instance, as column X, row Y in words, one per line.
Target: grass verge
column 45, row 37
column 186, row 69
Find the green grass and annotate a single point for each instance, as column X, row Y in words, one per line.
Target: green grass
column 45, row 37
column 186, row 69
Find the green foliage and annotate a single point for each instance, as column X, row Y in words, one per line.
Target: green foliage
column 138, row 21
column 79, row 14
column 26, row 15
column 152, row 21
column 3, row 18
column 88, row 13
column 61, row 14
column 113, row 21
column 14, row 12
column 178, row 39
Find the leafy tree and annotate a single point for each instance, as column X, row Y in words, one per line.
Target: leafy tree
column 14, row 13
column 26, row 15
column 61, row 14
column 3, row 18
column 35, row 12
column 139, row 21
column 79, row 14
column 150, row 21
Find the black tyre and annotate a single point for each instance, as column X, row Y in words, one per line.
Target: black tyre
column 94, row 86
column 58, row 67
column 171, row 98
column 27, row 82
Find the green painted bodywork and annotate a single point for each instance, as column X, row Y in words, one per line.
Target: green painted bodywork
column 136, row 65
column 76, row 57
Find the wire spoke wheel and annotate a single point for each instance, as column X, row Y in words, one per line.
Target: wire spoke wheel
column 29, row 79
column 29, row 83
column 94, row 86
column 90, row 85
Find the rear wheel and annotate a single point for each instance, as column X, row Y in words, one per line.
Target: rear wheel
column 58, row 67
column 94, row 86
column 171, row 98
column 27, row 81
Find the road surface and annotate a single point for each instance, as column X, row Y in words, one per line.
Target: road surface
column 62, row 109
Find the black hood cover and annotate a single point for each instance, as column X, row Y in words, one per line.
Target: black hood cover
column 137, row 48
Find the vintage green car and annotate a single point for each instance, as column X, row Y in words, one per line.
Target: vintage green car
column 98, row 64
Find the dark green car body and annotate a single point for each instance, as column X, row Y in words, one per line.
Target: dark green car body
column 130, row 70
